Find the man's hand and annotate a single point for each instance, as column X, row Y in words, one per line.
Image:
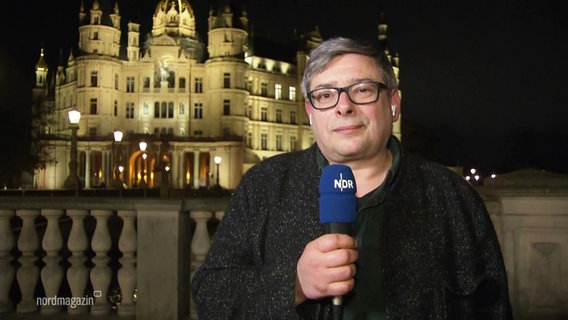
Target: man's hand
column 326, row 267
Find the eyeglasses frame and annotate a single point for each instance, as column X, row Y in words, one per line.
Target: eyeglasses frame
column 380, row 86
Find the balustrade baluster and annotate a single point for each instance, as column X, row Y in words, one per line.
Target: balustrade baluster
column 28, row 273
column 52, row 273
column 127, row 274
column 201, row 242
column 7, row 270
column 77, row 274
column 101, row 273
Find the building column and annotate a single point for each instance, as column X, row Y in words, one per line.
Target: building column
column 181, row 162
column 173, row 168
column 211, row 175
column 195, row 177
column 177, row 169
column 105, row 168
column 87, row 168
column 235, row 167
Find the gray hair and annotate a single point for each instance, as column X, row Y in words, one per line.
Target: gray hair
column 329, row 49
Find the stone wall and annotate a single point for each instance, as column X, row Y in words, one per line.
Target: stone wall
column 530, row 212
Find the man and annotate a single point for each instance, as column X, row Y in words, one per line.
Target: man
column 423, row 245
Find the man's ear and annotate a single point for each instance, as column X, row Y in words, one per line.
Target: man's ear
column 395, row 105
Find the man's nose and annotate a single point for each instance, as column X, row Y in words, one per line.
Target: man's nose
column 344, row 105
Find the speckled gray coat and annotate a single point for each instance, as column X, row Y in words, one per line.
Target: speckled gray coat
column 441, row 258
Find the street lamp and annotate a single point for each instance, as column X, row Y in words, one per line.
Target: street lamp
column 143, row 146
column 474, row 177
column 117, row 139
column 118, row 136
column 217, row 160
column 72, row 181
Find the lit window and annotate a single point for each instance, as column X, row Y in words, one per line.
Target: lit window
column 292, row 93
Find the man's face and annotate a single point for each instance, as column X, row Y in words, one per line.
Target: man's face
column 349, row 131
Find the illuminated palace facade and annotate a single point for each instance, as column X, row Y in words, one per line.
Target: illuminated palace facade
column 190, row 108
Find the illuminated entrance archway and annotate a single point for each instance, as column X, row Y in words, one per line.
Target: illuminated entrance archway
column 141, row 169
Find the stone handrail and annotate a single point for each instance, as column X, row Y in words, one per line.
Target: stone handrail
column 147, row 249
column 102, row 256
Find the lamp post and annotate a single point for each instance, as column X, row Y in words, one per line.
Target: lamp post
column 117, row 139
column 72, row 181
column 217, row 160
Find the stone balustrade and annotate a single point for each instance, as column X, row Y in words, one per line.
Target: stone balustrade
column 148, row 249
column 102, row 256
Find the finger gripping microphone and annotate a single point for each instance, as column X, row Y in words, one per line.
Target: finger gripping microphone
column 338, row 208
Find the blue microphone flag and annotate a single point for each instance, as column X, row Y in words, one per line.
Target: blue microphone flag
column 337, row 201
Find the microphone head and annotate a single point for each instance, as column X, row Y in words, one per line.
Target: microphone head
column 337, row 201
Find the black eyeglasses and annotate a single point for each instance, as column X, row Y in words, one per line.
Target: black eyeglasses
column 358, row 93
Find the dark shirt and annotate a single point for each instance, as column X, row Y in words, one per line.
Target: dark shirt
column 366, row 300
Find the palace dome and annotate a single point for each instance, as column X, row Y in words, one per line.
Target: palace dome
column 178, row 5
column 174, row 18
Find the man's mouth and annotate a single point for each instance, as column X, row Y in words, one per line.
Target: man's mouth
column 347, row 128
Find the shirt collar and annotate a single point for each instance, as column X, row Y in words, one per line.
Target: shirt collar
column 394, row 147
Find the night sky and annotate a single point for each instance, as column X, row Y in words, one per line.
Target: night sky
column 483, row 82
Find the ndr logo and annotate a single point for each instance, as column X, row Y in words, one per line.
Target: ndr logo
column 342, row 183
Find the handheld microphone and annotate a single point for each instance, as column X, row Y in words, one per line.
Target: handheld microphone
column 338, row 208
